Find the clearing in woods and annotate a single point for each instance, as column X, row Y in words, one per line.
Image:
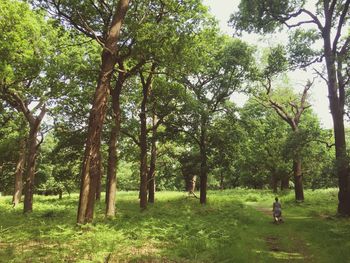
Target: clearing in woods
column 235, row 226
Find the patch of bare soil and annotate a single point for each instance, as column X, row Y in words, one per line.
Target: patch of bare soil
column 264, row 210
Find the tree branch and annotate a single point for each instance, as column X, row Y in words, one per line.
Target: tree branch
column 340, row 24
column 299, row 23
column 314, row 18
column 135, row 140
column 321, row 75
column 345, row 47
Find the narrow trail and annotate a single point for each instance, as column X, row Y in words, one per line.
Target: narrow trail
column 284, row 244
column 264, row 210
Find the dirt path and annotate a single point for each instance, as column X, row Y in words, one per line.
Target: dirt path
column 283, row 243
column 264, row 210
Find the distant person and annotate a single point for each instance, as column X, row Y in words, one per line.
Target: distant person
column 277, row 211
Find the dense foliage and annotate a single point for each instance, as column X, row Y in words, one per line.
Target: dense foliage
column 139, row 96
column 246, row 146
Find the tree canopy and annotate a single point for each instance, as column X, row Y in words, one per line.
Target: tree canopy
column 139, row 95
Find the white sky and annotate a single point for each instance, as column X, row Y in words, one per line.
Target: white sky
column 222, row 9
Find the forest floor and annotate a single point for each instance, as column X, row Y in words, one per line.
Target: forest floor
column 234, row 226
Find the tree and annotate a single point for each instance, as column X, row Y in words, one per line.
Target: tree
column 174, row 24
column 20, row 166
column 22, row 85
column 260, row 160
column 293, row 119
column 226, row 139
column 102, row 23
column 12, row 152
column 227, row 64
column 329, row 19
column 287, row 106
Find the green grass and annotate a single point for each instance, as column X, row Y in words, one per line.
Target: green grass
column 177, row 229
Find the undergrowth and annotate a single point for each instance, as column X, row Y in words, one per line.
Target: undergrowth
column 178, row 229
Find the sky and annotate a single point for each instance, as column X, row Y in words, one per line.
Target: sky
column 222, row 10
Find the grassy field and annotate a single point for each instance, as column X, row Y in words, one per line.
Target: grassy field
column 235, row 226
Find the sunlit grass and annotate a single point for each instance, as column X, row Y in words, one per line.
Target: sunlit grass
column 178, row 229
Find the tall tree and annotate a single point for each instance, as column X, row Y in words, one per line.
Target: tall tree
column 97, row 114
column 146, row 89
column 169, row 29
column 329, row 19
column 102, row 23
column 22, row 85
column 13, row 131
column 259, row 158
column 293, row 119
column 288, row 107
column 226, row 68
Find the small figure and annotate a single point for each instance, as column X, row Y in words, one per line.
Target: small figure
column 277, row 211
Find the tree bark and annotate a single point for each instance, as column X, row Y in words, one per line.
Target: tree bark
column 112, row 151
column 146, row 87
column 99, row 175
column 94, row 177
column 298, row 180
column 203, row 168
column 97, row 114
column 297, row 171
column 143, row 161
column 152, row 168
column 111, row 186
column 30, row 166
column 143, row 155
column 221, row 181
column 17, row 194
column 336, row 95
column 285, row 183
column 274, row 182
column 190, row 181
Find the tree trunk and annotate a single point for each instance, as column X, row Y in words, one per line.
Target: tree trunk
column 99, row 175
column 146, row 88
column 17, row 194
column 274, row 183
column 111, row 186
column 221, row 181
column 203, row 168
column 152, row 168
column 336, row 97
column 112, row 151
column 193, row 184
column 143, row 158
column 298, row 180
column 341, row 161
column 88, row 182
column 30, row 167
column 284, row 183
column 97, row 115
column 94, row 177
column 190, row 181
